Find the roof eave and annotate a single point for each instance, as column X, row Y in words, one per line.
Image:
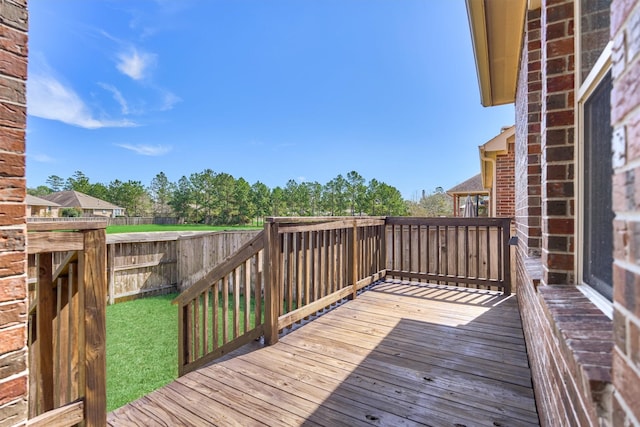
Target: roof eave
column 497, row 28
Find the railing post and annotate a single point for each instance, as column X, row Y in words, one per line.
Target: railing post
column 94, row 280
column 45, row 314
column 271, row 283
column 354, row 259
column 506, row 254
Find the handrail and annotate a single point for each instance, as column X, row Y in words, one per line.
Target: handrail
column 245, row 252
column 67, row 326
column 310, row 264
column 215, row 315
column 454, row 251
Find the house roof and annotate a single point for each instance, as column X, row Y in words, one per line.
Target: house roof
column 76, row 199
column 489, row 151
column 472, row 185
column 38, row 201
column 497, row 28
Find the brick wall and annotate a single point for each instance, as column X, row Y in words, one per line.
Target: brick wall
column 527, row 145
column 625, row 119
column 557, row 141
column 13, row 284
column 569, row 340
column 505, row 182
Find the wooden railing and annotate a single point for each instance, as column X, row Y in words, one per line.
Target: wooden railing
column 313, row 263
column 67, row 358
column 223, row 310
column 298, row 267
column 308, row 264
column 471, row 252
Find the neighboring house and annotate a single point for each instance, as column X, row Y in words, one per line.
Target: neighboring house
column 91, row 206
column 38, row 207
column 497, row 172
column 572, row 68
column 473, row 188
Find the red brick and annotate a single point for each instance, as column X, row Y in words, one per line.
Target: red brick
column 620, row 239
column 13, row 116
column 627, row 383
column 560, row 225
column 625, row 95
column 13, row 65
column 13, row 314
column 13, row 90
column 556, row 30
column 560, row 261
column 13, row 363
column 12, row 339
column 560, row 83
column 12, row 214
column 561, row 12
column 12, row 263
column 624, row 288
column 12, row 165
column 562, row 47
column 12, row 140
column 13, row 40
column 13, row 288
column 13, row 389
column 12, row 190
column 633, row 136
column 560, row 118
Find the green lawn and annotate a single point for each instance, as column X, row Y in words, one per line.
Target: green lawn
column 112, row 229
column 142, row 345
column 142, row 348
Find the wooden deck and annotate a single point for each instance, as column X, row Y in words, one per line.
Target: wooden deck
column 400, row 354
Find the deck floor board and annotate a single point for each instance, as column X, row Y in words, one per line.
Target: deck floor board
column 400, row 354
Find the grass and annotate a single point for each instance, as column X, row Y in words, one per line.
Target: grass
column 142, row 350
column 142, row 345
column 113, row 229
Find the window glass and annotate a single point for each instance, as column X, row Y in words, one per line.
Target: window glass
column 594, row 32
column 598, row 213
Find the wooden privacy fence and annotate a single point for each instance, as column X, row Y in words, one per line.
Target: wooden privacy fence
column 142, row 264
column 67, row 360
column 472, row 252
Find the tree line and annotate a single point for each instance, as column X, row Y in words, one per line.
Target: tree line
column 218, row 198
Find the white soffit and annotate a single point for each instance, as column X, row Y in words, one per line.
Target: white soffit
column 497, row 28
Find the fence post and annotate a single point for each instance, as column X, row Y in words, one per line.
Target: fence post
column 94, row 280
column 271, row 284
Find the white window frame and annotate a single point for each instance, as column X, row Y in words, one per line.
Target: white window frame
column 584, row 89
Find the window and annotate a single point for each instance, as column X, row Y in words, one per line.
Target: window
column 598, row 214
column 595, row 215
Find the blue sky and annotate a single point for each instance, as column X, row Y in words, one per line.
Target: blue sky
column 265, row 90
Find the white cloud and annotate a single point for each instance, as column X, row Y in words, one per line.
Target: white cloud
column 147, row 150
column 42, row 158
column 117, row 95
column 168, row 101
column 135, row 64
column 48, row 98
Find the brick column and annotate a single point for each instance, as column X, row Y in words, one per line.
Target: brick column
column 13, row 256
column 557, row 142
column 625, row 119
column 527, row 145
column 505, row 182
